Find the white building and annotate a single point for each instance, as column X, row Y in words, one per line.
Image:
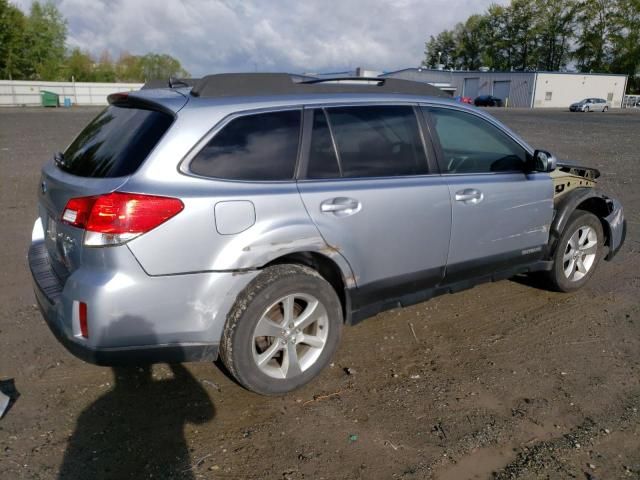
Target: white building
column 523, row 89
column 27, row 93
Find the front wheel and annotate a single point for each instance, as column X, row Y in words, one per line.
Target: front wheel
column 578, row 252
column 586, row 109
column 283, row 330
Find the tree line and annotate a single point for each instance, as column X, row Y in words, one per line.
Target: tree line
column 33, row 47
column 583, row 35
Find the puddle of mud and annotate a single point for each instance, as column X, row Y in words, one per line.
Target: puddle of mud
column 479, row 464
column 483, row 462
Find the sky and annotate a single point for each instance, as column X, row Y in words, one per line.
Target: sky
column 314, row 36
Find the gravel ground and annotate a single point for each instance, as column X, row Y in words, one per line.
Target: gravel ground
column 505, row 380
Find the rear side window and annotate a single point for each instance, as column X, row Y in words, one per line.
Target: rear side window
column 377, row 141
column 116, row 142
column 262, row 146
column 472, row 145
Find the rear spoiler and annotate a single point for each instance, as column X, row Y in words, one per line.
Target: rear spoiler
column 169, row 102
column 125, row 99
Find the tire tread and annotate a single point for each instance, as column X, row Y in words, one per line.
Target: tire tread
column 266, row 278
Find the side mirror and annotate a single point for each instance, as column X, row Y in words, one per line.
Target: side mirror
column 543, row 161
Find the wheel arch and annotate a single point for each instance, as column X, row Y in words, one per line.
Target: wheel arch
column 339, row 277
column 586, row 199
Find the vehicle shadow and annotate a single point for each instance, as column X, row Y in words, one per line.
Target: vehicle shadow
column 534, row 280
column 136, row 429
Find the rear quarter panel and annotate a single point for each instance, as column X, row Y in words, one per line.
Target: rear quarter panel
column 191, row 241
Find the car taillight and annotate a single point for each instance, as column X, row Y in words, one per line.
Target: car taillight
column 118, row 217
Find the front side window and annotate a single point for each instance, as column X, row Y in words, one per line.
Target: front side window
column 472, row 145
column 372, row 141
column 257, row 147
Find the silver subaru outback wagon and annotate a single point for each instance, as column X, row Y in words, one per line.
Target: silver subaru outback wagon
column 251, row 216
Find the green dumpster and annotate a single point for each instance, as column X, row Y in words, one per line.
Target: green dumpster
column 49, row 99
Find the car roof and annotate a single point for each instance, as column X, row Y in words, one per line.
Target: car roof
column 173, row 101
column 277, row 92
column 279, row 88
column 259, row 84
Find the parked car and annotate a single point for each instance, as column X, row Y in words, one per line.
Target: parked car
column 488, row 101
column 253, row 215
column 462, row 99
column 590, row 105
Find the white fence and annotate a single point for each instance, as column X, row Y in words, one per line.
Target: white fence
column 26, row 93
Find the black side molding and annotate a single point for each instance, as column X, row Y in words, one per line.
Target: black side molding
column 366, row 302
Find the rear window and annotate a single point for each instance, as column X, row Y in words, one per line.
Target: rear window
column 116, row 142
column 262, row 146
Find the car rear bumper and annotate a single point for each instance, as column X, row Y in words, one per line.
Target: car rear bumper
column 48, row 293
column 134, row 318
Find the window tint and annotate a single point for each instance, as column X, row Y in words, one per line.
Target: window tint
column 116, row 142
column 472, row 145
column 263, row 146
column 323, row 162
column 377, row 141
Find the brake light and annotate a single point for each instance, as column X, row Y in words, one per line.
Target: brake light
column 118, row 217
column 119, row 97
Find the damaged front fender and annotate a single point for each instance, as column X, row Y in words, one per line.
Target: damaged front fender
column 608, row 210
column 567, row 177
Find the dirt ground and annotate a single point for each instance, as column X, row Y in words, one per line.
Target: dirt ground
column 505, row 380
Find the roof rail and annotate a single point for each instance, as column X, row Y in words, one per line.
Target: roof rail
column 256, row 84
column 345, row 80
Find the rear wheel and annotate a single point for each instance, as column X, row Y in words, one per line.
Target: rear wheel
column 605, row 109
column 282, row 330
column 578, row 252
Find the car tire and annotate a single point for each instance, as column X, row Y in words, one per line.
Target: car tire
column 577, row 253
column 586, row 109
column 605, row 109
column 279, row 303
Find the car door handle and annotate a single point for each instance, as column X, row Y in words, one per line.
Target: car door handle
column 341, row 206
column 469, row 196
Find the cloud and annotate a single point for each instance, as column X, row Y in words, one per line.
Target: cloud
column 266, row 35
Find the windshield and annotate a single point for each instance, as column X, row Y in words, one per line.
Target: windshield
column 115, row 143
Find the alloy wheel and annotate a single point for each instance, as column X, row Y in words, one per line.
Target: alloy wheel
column 580, row 253
column 290, row 336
